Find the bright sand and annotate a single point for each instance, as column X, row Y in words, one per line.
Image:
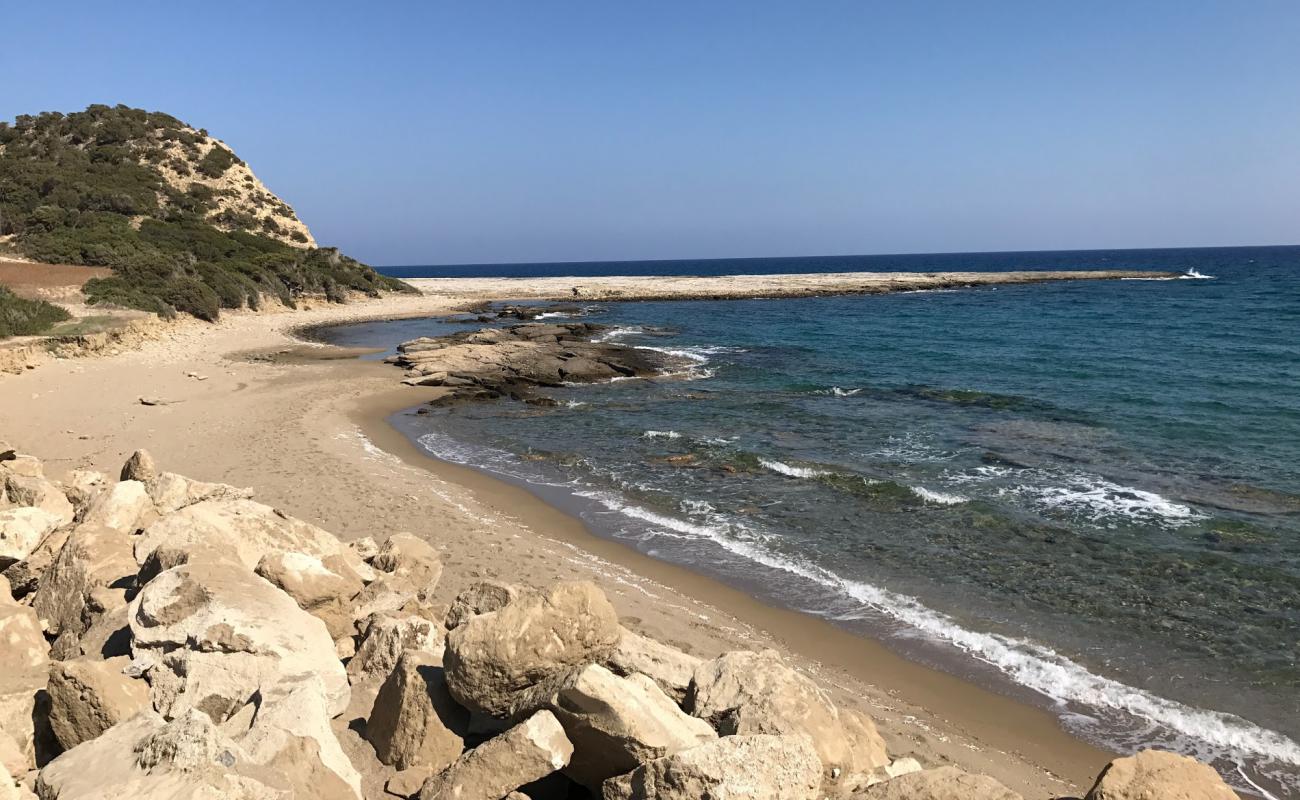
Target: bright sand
column 307, row 430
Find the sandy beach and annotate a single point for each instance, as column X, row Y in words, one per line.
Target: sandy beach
column 246, row 401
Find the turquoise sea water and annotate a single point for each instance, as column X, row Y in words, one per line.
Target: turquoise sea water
column 1084, row 494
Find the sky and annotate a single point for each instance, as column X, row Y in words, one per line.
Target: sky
column 485, row 131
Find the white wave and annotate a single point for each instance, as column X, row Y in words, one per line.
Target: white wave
column 1192, row 274
column 793, row 471
column 574, row 404
column 1204, row 733
column 619, row 333
column 718, row 441
column 1101, row 500
column 942, row 498
column 911, row 448
column 555, row 314
column 697, row 507
column 661, row 435
column 836, row 391
column 697, row 354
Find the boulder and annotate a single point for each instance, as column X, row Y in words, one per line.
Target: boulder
column 411, row 557
column 494, row 657
column 746, row 692
column 39, row 493
column 291, row 734
column 21, row 529
column 148, row 758
column 139, row 467
column 944, row 783
column 9, row 788
column 667, row 666
column 87, row 697
column 618, row 723
column 92, row 571
column 214, row 634
column 25, row 575
column 125, row 507
column 865, row 742
column 82, row 486
column 386, row 638
column 242, row 529
column 365, row 547
column 1159, row 775
column 318, row 590
column 171, row 492
column 748, row 767
column 19, row 464
column 407, row 782
column 24, row 668
column 527, row 752
column 480, row 598
column 415, row 722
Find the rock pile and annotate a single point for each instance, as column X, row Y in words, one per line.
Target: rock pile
column 516, row 361
column 166, row 638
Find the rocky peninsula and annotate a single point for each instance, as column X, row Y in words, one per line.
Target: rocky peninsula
column 167, row 637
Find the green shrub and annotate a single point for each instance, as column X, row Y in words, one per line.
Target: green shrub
column 22, row 317
column 217, row 161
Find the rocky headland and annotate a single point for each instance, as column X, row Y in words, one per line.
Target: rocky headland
column 170, row 638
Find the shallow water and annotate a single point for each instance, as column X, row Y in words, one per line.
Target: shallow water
column 1089, row 490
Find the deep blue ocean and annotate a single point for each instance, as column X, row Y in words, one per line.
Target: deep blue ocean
column 1086, row 494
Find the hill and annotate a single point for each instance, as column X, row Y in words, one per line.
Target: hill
column 181, row 220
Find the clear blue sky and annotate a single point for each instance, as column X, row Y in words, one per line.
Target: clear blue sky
column 429, row 132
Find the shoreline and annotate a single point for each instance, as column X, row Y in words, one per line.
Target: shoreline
column 308, row 425
column 1018, row 727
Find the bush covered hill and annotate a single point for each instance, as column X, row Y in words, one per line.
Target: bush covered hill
column 181, row 220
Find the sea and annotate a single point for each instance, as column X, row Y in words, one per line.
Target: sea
column 1083, row 494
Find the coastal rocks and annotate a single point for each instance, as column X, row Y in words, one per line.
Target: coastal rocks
column 386, row 638
column 124, row 507
column 139, row 467
column 527, row 752
column 752, row 767
column 493, row 658
column 88, row 577
column 21, row 529
column 214, row 634
column 318, row 590
column 944, row 783
column 88, row 696
column 415, row 722
column 618, row 723
column 517, row 360
column 37, row 492
column 291, row 736
column 171, row 492
column 745, row 692
column 245, row 529
column 479, row 598
column 148, row 758
column 24, row 668
column 667, row 666
column 1159, row 775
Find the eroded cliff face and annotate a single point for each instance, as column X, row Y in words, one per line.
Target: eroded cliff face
column 239, row 199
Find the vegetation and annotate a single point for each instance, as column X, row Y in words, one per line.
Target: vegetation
column 22, row 317
column 90, row 188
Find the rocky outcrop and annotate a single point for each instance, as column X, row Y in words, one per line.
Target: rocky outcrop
column 518, row 360
column 527, row 752
column 493, row 659
column 757, row 767
column 1156, row 774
